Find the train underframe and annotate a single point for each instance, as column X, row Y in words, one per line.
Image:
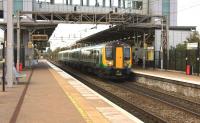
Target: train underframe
column 108, row 72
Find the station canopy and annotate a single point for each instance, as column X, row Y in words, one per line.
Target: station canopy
column 119, row 32
column 128, row 32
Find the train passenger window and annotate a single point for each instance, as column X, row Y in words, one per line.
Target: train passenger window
column 126, row 53
column 97, row 57
column 108, row 53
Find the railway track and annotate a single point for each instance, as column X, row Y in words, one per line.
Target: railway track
column 136, row 100
column 184, row 104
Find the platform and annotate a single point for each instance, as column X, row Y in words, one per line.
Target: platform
column 53, row 96
column 167, row 74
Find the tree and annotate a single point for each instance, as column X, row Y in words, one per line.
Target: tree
column 194, row 37
column 181, row 46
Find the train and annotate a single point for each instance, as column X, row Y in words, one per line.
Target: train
column 111, row 59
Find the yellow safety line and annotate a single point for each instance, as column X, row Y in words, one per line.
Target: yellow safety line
column 73, row 100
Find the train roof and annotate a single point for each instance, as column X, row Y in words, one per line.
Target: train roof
column 115, row 43
column 71, row 50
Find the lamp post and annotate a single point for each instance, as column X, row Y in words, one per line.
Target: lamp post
column 144, row 51
column 3, row 67
column 164, row 45
column 161, row 46
column 18, row 40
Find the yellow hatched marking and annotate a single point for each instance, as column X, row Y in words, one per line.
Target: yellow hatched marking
column 73, row 100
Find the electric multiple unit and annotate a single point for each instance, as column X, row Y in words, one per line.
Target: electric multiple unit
column 112, row 59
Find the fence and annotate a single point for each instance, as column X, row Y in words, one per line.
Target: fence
column 178, row 59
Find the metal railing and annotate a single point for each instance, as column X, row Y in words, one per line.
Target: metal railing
column 178, row 60
column 47, row 7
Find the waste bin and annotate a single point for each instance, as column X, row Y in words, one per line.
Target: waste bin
column 20, row 66
column 189, row 70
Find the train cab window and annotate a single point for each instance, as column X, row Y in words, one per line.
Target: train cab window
column 126, row 53
column 109, row 53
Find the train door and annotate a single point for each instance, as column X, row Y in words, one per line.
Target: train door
column 119, row 57
column 98, row 57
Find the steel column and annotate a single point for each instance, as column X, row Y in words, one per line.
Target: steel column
column 144, row 51
column 9, row 55
column 124, row 4
column 198, row 55
column 104, row 3
column 161, row 46
column 119, row 3
column 81, row 2
column 88, row 3
column 3, row 67
column 52, row 1
column 96, row 2
column 18, row 40
column 167, row 40
column 70, row 2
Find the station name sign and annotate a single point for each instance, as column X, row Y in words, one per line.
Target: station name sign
column 39, row 37
column 192, row 46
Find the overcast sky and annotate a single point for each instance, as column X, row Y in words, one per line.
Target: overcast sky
column 188, row 13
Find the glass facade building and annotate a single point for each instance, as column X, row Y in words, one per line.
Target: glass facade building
column 18, row 5
column 166, row 7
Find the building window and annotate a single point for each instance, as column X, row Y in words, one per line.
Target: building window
column 166, row 7
column 137, row 5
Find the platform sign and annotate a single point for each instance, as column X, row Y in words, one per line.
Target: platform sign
column 150, row 48
column 192, row 46
column 150, row 53
column 39, row 37
column 30, row 44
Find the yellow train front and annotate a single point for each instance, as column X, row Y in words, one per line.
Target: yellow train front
column 117, row 59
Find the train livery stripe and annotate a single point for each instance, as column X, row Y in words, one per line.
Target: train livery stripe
column 119, row 57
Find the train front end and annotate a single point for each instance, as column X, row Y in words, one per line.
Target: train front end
column 118, row 59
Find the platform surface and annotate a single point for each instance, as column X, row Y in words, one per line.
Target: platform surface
column 173, row 75
column 10, row 98
column 54, row 96
column 45, row 102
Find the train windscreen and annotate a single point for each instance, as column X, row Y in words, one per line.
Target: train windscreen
column 126, row 53
column 109, row 53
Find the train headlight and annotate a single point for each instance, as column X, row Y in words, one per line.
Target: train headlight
column 126, row 64
column 109, row 63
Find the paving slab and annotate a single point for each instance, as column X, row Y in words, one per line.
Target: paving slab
column 173, row 75
column 10, row 99
column 45, row 101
